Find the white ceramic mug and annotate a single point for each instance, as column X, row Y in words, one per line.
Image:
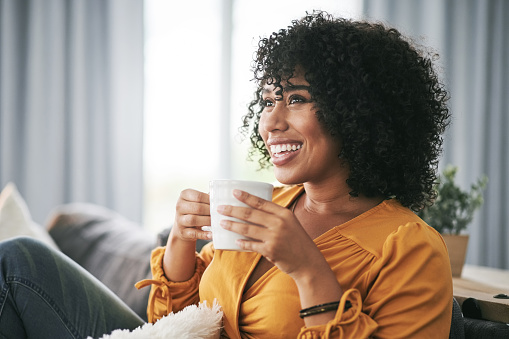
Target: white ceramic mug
column 221, row 193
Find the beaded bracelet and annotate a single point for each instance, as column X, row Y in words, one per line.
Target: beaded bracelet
column 323, row 308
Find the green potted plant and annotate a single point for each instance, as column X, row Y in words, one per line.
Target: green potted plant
column 451, row 213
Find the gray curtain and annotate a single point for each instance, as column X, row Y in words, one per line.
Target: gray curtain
column 472, row 38
column 71, row 102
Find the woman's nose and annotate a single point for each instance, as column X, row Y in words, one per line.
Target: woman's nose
column 276, row 119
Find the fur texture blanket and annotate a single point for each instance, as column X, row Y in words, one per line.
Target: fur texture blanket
column 202, row 322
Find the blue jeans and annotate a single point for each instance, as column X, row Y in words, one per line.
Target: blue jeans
column 44, row 294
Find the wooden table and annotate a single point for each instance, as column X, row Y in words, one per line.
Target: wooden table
column 482, row 283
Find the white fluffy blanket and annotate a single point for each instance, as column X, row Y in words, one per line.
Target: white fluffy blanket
column 201, row 322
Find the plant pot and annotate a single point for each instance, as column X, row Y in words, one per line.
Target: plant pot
column 457, row 247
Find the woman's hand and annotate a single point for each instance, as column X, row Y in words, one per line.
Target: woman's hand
column 276, row 233
column 192, row 213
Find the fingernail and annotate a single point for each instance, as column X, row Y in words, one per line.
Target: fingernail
column 220, row 208
column 237, row 193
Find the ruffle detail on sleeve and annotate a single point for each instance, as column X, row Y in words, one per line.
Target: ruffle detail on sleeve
column 351, row 323
column 168, row 296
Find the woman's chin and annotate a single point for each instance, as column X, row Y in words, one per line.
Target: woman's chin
column 286, row 178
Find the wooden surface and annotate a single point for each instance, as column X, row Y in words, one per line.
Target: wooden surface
column 482, row 283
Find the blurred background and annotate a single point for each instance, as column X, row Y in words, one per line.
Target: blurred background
column 124, row 103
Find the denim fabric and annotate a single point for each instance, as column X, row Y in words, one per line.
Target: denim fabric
column 44, row 294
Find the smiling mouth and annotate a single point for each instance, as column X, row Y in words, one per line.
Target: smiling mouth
column 278, row 149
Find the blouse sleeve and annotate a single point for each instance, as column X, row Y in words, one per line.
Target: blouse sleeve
column 410, row 296
column 346, row 324
column 168, row 296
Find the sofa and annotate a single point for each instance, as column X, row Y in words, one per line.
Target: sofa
column 117, row 252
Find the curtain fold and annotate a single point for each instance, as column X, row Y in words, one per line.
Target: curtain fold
column 71, row 102
column 472, row 38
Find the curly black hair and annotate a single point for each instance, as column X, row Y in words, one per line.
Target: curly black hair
column 374, row 90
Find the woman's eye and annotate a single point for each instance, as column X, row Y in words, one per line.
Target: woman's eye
column 295, row 99
column 267, row 103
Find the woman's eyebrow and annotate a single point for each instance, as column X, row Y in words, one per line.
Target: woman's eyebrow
column 288, row 88
column 291, row 88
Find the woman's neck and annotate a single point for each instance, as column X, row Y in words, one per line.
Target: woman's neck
column 335, row 199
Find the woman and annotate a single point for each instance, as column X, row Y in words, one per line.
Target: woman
column 351, row 116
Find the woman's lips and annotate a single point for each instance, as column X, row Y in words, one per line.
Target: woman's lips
column 278, row 148
column 281, row 154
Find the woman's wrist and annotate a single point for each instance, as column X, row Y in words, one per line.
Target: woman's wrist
column 317, row 284
column 179, row 260
column 320, row 303
column 322, row 308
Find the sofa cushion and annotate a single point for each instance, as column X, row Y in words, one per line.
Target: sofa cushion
column 112, row 248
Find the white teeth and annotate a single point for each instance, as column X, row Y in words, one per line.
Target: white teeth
column 283, row 148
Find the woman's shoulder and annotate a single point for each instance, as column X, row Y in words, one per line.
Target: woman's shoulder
column 389, row 223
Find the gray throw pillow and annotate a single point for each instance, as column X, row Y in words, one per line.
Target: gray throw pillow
column 112, row 248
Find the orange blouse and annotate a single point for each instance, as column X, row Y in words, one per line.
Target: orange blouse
column 392, row 266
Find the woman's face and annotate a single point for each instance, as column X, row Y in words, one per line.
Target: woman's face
column 300, row 148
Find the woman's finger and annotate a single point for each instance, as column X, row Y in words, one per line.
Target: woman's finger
column 194, row 196
column 253, row 246
column 196, row 233
column 184, row 207
column 257, row 216
column 192, row 220
column 193, row 202
column 256, row 202
column 255, row 232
